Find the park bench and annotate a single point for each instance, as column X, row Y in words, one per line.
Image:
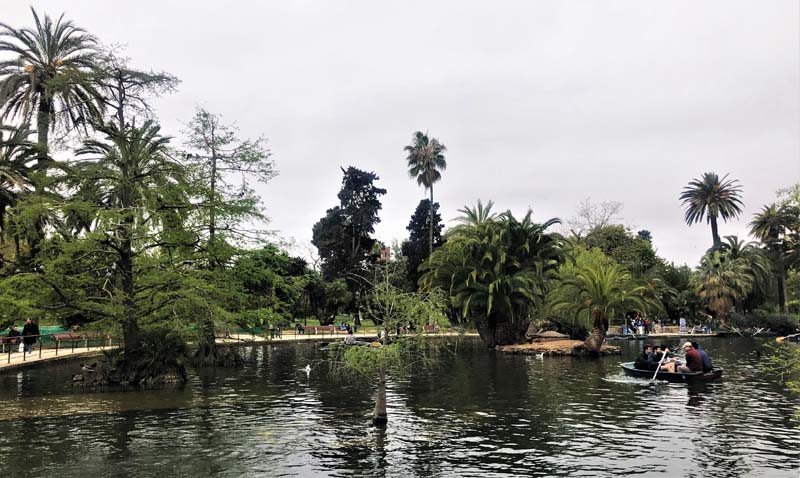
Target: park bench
column 66, row 336
column 319, row 329
column 329, row 329
column 9, row 342
column 70, row 337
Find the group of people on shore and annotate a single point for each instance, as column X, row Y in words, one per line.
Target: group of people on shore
column 660, row 358
column 638, row 325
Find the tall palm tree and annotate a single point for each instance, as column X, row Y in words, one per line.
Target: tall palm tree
column 770, row 226
column 712, row 198
column 605, row 290
column 51, row 74
column 425, row 163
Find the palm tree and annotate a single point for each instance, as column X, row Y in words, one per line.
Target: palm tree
column 50, row 74
column 425, row 163
column 475, row 216
column 605, row 291
column 770, row 226
column 722, row 281
column 495, row 269
column 712, row 197
column 16, row 153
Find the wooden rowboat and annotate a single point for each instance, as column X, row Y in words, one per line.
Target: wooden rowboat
column 677, row 377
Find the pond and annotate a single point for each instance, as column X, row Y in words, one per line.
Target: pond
column 480, row 413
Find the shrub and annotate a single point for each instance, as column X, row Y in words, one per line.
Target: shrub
column 780, row 324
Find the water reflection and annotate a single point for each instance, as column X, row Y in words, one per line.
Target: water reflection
column 479, row 414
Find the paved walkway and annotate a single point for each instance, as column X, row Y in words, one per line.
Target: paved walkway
column 16, row 360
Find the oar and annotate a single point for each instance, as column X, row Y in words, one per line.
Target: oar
column 663, row 356
column 781, row 339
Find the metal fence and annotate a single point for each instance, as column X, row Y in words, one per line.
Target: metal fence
column 59, row 342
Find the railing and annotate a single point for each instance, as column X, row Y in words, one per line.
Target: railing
column 63, row 341
column 11, row 345
column 322, row 331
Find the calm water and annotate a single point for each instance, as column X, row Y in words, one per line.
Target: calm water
column 480, row 414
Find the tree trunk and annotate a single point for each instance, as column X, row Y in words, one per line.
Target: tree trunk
column 497, row 330
column 781, row 283
column 42, row 145
column 208, row 354
column 430, row 225
column 130, row 323
column 380, row 417
column 598, row 336
column 212, row 213
column 42, row 134
column 714, row 231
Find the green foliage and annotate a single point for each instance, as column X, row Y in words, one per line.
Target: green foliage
column 417, row 248
column 683, row 302
column 390, row 306
column 343, row 236
column 575, row 323
column 631, row 251
column 603, row 289
column 269, row 279
column 260, row 318
column 16, row 152
column 326, row 299
column 780, row 324
column 365, row 362
column 217, row 158
column 727, row 275
column 495, row 268
column 783, row 360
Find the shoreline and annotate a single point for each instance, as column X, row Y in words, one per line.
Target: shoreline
column 49, row 356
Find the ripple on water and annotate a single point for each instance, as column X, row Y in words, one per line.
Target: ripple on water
column 480, row 414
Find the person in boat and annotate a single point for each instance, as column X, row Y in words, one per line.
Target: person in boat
column 706, row 359
column 668, row 365
column 694, row 362
column 644, row 359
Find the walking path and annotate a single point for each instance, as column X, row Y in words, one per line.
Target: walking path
column 15, row 360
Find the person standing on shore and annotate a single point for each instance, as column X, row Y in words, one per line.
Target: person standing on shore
column 30, row 333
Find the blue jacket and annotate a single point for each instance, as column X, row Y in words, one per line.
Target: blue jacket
column 707, row 365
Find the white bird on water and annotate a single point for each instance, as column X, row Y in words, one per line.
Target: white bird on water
column 307, row 370
column 540, row 356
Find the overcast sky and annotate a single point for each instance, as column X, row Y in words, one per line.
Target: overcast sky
column 541, row 104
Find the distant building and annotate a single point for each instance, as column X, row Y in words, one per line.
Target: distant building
column 386, row 254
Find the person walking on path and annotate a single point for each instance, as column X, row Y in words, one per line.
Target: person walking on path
column 30, row 333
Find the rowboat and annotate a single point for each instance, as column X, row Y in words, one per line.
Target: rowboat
column 677, row 377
